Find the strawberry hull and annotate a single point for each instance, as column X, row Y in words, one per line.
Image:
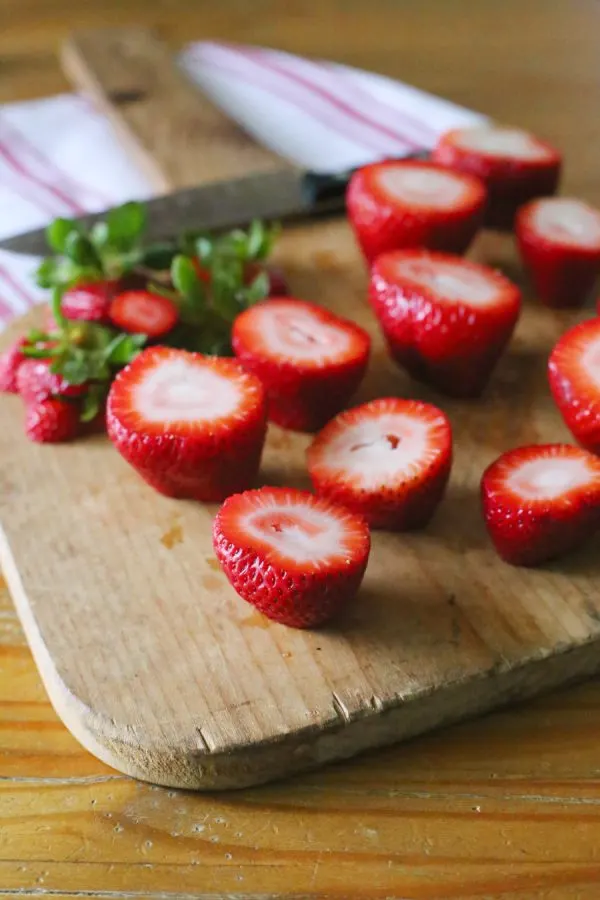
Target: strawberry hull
column 452, row 346
column 382, row 222
column 511, row 181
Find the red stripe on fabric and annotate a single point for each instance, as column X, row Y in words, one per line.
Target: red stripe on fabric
column 277, row 88
column 67, row 180
column 26, row 173
column 7, row 310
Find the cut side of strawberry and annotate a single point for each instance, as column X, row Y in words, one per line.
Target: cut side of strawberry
column 446, row 320
column 142, row 312
column 388, row 460
column 88, row 302
column 559, row 241
column 574, row 374
column 51, row 421
column 297, row 558
column 399, row 204
column 515, row 166
column 541, row 501
column 309, row 360
column 191, row 425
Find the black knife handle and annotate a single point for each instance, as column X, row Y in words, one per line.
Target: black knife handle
column 325, row 192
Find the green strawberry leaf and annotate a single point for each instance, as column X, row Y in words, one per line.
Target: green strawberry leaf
column 100, row 235
column 123, row 348
column 125, row 224
column 56, row 306
column 92, row 402
column 158, row 256
column 79, row 249
column 57, row 233
column 257, row 290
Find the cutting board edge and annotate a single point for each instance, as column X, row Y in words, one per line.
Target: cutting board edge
column 299, row 751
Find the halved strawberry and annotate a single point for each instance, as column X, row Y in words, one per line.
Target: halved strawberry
column 191, row 425
column 142, row 312
column 88, row 301
column 516, row 167
column 388, row 460
column 399, row 204
column 10, row 363
column 574, row 373
column 446, row 320
column 36, row 382
column 559, row 240
column 297, row 558
column 541, row 501
column 309, row 360
column 51, row 421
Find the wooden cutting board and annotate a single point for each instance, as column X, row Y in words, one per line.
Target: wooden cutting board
column 149, row 656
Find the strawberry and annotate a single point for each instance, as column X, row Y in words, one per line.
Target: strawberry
column 51, row 421
column 36, row 382
column 399, row 204
column 278, row 286
column 514, row 165
column 541, row 501
column 559, row 241
column 309, row 360
column 191, row 425
column 574, row 373
column 446, row 320
column 297, row 558
column 142, row 312
column 88, row 301
column 388, row 460
column 10, row 363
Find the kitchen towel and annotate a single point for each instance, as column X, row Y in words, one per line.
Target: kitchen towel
column 60, row 157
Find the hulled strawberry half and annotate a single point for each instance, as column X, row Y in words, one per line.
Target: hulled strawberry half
column 388, row 460
column 192, row 426
column 559, row 241
column 309, row 360
column 297, row 558
column 541, row 501
column 445, row 320
column 414, row 204
column 514, row 165
column 574, row 374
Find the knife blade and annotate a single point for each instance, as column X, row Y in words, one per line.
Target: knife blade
column 283, row 195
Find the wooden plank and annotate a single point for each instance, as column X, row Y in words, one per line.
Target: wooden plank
column 163, row 672
column 175, row 134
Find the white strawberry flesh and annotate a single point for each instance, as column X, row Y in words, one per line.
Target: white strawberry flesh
column 567, row 221
column 291, row 331
column 549, row 478
column 505, row 143
column 186, row 392
column 450, row 282
column 426, row 187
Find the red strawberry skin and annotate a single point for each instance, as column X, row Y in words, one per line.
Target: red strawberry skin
column 292, row 594
column 452, row 347
column 381, row 224
column 302, row 397
column 563, row 275
column 51, row 421
column 510, row 182
column 88, row 302
column 36, row 382
column 575, row 393
column 402, row 505
column 530, row 533
column 198, row 460
column 10, row 363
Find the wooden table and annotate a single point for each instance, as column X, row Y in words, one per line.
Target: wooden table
column 504, row 807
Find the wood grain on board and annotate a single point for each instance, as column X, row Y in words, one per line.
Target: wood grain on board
column 176, row 136
column 505, row 806
column 158, row 667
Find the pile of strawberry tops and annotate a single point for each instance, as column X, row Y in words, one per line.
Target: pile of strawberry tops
column 185, row 352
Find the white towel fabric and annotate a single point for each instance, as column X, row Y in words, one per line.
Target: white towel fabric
column 60, row 157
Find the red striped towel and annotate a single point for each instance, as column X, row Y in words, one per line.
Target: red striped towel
column 59, row 157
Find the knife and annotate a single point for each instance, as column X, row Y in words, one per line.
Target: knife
column 283, row 195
